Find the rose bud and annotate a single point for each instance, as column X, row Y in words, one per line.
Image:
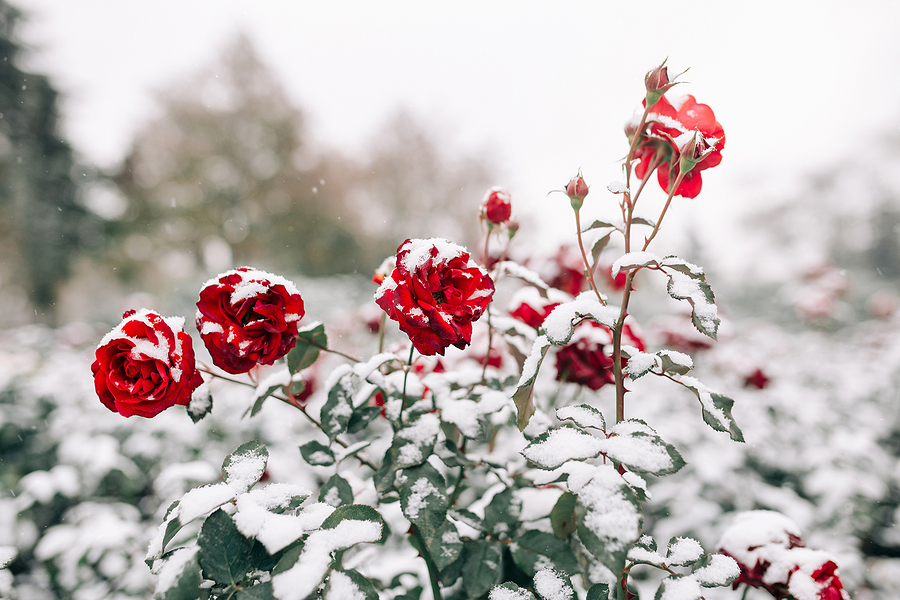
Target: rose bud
column 495, row 207
column 145, row 365
column 248, row 317
column 577, row 190
column 693, row 149
column 657, row 83
column 435, row 294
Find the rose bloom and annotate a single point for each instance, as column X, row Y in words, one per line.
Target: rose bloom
column 496, row 207
column 145, row 365
column 248, row 317
column 435, row 293
column 668, row 119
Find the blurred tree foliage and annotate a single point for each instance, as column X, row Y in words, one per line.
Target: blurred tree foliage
column 42, row 224
column 227, row 176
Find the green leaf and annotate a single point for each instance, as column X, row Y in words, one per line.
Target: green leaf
column 724, row 404
column 446, row 547
column 523, row 397
column 357, row 512
column 317, row 454
column 224, row 552
column 637, row 446
column 423, row 500
column 469, row 518
column 521, row 593
column 599, row 244
column 642, row 221
column 598, row 591
column 384, row 477
column 534, row 547
column 244, row 467
column 361, row 417
column 201, row 403
column 338, row 592
column 185, row 577
column 697, row 292
column 552, row 448
column 715, row 570
column 338, row 408
column 336, row 492
column 599, row 225
column 289, row 558
column 584, row 415
column 260, row 591
column 414, row 443
column 310, row 341
column 550, row 584
column 501, row 515
column 261, row 560
column 450, row 454
column 483, row 567
column 716, row 408
column 562, row 517
column 261, row 396
column 609, row 517
column 675, row 362
column 172, row 528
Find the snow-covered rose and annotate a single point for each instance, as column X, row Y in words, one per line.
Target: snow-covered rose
column 145, row 365
column 248, row 317
column 435, row 293
column 668, row 120
column 496, row 207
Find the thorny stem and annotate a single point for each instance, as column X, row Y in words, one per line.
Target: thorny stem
column 405, row 377
column 381, row 332
column 432, row 568
column 588, row 269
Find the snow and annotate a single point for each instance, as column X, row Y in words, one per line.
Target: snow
column 274, row 531
column 638, row 451
column 514, row 269
column 633, row 260
column 720, row 570
column 341, row 587
column 640, row 363
column 551, row 586
column 253, row 283
column 558, row 326
column 144, row 348
column 529, row 369
column 418, row 498
column 201, row 400
column 202, row 500
column 419, row 252
column 684, row 588
column 561, row 445
column 610, row 514
column 171, row 569
column 618, row 187
column 244, row 470
column 583, row 416
column 501, row 593
column 7, row 554
column 307, row 573
column 462, row 413
column 683, row 551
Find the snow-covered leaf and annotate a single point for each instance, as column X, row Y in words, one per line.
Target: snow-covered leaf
column 716, row 408
column 609, row 517
column 716, row 570
column 349, row 585
column 523, row 396
column 674, row 362
column 414, row 443
column 509, row 591
column 423, row 500
column 317, row 454
column 242, row 468
column 447, row 546
column 178, row 575
column 634, row 260
column 562, row 516
column 535, row 550
column 553, row 585
column 339, row 406
column 514, row 269
column 557, row 446
column 501, row 515
column 640, row 363
column 224, row 551
column 336, row 492
column 638, row 447
column 201, row 403
column 694, row 289
column 559, row 325
column 584, row 415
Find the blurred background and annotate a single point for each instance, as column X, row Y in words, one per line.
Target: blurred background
column 144, row 149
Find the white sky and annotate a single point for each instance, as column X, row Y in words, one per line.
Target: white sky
column 546, row 86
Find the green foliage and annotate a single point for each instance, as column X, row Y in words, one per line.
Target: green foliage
column 225, row 554
column 311, row 340
column 246, row 465
column 336, row 491
column 317, row 454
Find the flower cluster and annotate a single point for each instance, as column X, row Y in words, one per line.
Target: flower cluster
column 245, row 317
column 771, row 554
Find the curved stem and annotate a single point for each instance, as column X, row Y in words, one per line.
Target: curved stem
column 588, row 269
column 432, row 568
column 405, row 377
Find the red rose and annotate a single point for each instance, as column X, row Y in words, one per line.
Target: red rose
column 584, row 359
column 145, row 365
column 435, row 293
column 248, row 317
column 667, row 121
column 495, row 207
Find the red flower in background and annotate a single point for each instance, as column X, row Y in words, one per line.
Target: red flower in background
column 145, row 365
column 435, row 293
column 496, row 207
column 248, row 317
column 670, row 120
column 584, row 359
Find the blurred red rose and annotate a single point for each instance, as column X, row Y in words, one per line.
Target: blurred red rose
column 584, row 359
column 668, row 120
column 435, row 293
column 248, row 317
column 496, row 207
column 145, row 365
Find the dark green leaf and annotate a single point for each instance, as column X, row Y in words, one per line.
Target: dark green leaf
column 609, row 518
column 361, row 417
column 423, row 499
column 187, row 584
column 317, row 454
column 673, row 362
column 357, row 512
column 642, row 221
column 289, row 557
column 534, row 547
column 599, row 225
column 310, row 341
column 483, row 567
column 201, row 403
column 338, row 407
column 523, row 397
column 414, row 443
column 697, row 292
column 469, row 518
column 724, row 404
column 261, row 560
column 551, row 584
column 522, row 593
column 384, row 477
column 224, row 552
column 246, row 465
column 260, row 591
column 450, row 454
column 598, row 591
column 446, row 546
column 599, row 244
column 336, row 492
column 501, row 515
column 562, row 517
column 362, row 584
column 583, row 415
column 258, row 404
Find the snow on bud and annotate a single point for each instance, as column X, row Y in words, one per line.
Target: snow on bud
column 576, row 190
column 657, row 83
column 495, row 207
column 693, row 148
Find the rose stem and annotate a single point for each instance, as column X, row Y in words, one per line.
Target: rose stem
column 588, row 269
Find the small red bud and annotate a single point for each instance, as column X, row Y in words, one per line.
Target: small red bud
column 657, row 83
column 496, row 207
column 576, row 190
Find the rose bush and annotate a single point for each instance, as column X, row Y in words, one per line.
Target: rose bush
column 435, row 293
column 248, row 317
column 668, row 120
column 145, row 365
